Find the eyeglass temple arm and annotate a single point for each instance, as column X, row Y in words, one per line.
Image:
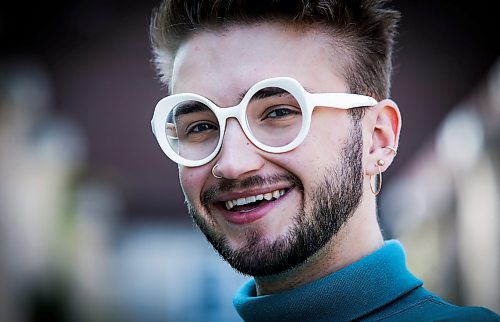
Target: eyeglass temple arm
column 342, row 100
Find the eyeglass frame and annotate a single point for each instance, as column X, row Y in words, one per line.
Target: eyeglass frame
column 307, row 102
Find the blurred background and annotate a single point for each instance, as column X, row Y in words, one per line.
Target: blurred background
column 92, row 221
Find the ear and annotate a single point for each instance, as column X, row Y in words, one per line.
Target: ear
column 385, row 129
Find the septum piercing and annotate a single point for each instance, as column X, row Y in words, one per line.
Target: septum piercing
column 213, row 172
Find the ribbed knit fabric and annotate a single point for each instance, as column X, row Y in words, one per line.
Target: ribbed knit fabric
column 377, row 287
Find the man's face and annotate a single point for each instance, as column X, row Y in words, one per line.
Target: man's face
column 316, row 186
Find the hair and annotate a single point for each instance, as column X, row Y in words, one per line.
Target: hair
column 363, row 30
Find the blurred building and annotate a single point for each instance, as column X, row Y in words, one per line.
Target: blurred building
column 445, row 204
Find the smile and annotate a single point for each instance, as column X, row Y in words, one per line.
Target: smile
column 276, row 194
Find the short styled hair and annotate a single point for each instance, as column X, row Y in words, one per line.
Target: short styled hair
column 362, row 30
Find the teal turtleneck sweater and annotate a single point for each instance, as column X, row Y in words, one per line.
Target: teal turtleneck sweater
column 377, row 287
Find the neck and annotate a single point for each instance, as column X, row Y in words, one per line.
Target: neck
column 359, row 237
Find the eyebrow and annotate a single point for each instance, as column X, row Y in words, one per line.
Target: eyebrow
column 269, row 92
column 188, row 107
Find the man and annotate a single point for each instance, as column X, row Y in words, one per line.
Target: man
column 279, row 120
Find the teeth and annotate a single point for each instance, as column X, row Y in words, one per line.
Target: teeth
column 243, row 201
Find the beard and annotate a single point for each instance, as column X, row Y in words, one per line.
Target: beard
column 332, row 203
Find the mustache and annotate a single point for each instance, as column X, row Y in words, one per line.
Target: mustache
column 226, row 185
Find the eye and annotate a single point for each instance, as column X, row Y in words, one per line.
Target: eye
column 201, row 128
column 281, row 112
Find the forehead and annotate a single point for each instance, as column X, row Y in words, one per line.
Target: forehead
column 222, row 65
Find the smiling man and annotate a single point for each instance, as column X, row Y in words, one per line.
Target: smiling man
column 279, row 118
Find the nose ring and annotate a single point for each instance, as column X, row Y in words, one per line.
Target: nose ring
column 213, row 172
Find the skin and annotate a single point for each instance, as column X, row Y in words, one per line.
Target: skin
column 223, row 65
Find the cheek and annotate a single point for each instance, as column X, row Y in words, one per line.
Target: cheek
column 191, row 180
column 321, row 147
column 319, row 152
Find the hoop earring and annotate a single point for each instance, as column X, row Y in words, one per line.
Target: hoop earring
column 213, row 172
column 378, row 178
column 392, row 149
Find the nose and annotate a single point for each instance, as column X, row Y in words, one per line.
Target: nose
column 238, row 157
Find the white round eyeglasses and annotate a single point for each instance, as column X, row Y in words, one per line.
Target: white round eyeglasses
column 275, row 114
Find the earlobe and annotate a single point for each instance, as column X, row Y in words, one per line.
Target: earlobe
column 385, row 128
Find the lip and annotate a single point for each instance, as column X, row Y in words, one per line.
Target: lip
column 242, row 218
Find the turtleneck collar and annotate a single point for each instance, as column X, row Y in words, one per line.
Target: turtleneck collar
column 344, row 295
